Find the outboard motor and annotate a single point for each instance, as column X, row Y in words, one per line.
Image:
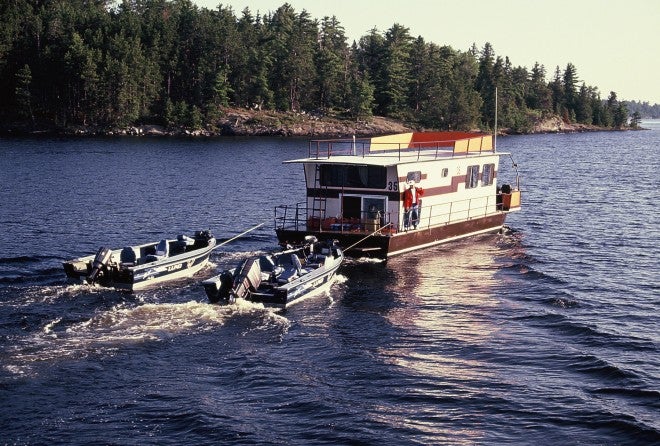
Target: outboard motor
column 248, row 279
column 219, row 289
column 100, row 261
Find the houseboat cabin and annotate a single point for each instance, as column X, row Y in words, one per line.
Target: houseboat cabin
column 356, row 192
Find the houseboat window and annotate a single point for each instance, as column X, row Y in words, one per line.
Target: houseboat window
column 369, row 177
column 472, row 177
column 445, row 172
column 488, row 174
column 414, row 176
column 373, row 207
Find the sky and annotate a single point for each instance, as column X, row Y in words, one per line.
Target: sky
column 612, row 43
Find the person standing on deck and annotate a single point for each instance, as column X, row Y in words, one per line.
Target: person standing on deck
column 411, row 203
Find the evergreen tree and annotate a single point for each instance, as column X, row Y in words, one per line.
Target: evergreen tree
column 570, row 100
column 431, row 77
column 485, row 84
column 332, row 64
column 361, row 97
column 635, row 120
column 293, row 44
column 82, row 72
column 368, row 53
column 583, row 110
column 597, row 109
column 557, row 91
column 539, row 96
column 420, row 73
column 617, row 110
column 23, row 94
column 466, row 103
column 396, row 75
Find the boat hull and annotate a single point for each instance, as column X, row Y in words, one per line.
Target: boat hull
column 153, row 275
column 295, row 291
column 357, row 244
column 150, row 271
column 276, row 280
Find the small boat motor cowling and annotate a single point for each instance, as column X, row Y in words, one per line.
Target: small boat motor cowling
column 247, row 279
column 100, row 261
column 218, row 289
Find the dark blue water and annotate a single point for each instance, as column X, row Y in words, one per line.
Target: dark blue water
column 545, row 336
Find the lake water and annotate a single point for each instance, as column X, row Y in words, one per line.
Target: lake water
column 549, row 335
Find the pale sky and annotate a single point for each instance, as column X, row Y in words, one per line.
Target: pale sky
column 612, row 43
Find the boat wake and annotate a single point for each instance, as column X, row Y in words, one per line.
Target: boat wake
column 121, row 328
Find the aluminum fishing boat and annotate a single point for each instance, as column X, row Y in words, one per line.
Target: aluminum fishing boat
column 393, row 194
column 278, row 279
column 138, row 267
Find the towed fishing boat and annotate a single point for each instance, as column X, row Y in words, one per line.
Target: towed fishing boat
column 276, row 280
column 138, row 267
column 389, row 195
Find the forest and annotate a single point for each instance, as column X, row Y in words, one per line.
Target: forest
column 169, row 62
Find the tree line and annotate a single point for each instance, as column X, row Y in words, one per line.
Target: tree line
column 644, row 109
column 102, row 63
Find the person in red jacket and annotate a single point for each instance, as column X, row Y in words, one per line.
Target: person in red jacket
column 411, row 205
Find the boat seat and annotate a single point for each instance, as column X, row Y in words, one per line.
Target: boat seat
column 178, row 247
column 296, row 262
column 162, row 248
column 162, row 251
column 288, row 275
column 266, row 263
column 185, row 239
column 128, row 256
column 319, row 258
column 268, row 268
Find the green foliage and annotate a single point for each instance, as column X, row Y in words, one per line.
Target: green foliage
column 635, row 120
column 23, row 95
column 361, row 97
column 109, row 63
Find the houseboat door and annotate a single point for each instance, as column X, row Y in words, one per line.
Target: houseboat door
column 374, row 210
column 351, row 206
column 370, row 210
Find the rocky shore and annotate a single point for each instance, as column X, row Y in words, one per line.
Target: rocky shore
column 241, row 122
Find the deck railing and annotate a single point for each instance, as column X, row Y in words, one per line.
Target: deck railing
column 362, row 147
column 298, row 218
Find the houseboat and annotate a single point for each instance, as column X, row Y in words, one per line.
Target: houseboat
column 389, row 195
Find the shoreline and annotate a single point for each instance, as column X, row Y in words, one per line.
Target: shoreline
column 237, row 122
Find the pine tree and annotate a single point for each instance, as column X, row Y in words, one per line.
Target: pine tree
column 361, row 97
column 539, row 96
column 368, row 54
column 332, row 64
column 396, row 74
column 23, row 94
column 570, row 81
column 635, row 120
column 557, row 91
column 485, row 84
column 583, row 111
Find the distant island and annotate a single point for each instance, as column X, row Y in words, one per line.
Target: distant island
column 170, row 67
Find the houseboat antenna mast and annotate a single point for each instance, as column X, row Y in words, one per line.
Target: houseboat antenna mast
column 495, row 135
